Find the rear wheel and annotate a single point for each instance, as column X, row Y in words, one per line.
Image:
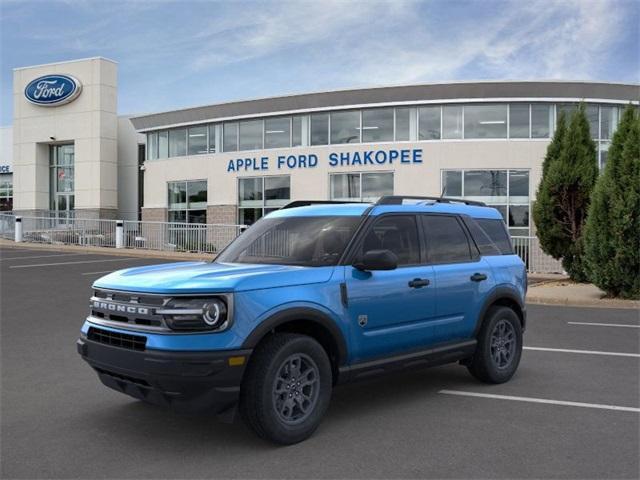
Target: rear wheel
column 499, row 346
column 287, row 388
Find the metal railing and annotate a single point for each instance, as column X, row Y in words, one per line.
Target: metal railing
column 183, row 237
column 7, row 226
column 191, row 237
column 528, row 248
column 69, row 231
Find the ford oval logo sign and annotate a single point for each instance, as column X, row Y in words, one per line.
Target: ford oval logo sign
column 53, row 90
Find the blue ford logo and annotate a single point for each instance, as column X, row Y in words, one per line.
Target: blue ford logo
column 53, row 90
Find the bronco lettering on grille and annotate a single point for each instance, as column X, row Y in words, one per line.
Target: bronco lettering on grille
column 117, row 307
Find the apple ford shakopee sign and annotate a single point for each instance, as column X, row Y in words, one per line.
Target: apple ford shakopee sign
column 53, row 90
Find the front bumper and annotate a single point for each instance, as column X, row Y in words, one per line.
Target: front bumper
column 185, row 381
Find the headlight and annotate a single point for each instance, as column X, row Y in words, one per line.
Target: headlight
column 196, row 314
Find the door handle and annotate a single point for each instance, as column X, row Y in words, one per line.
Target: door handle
column 478, row 277
column 418, row 282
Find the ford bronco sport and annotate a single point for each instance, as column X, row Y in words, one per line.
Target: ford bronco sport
column 312, row 295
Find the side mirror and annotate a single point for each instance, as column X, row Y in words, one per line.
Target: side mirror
column 377, row 260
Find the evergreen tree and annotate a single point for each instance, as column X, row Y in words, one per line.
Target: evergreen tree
column 563, row 198
column 612, row 233
column 548, row 231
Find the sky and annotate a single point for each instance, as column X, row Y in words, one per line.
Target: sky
column 176, row 54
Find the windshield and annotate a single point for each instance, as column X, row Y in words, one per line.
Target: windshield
column 304, row 241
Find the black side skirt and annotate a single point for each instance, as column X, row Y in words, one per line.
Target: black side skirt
column 448, row 353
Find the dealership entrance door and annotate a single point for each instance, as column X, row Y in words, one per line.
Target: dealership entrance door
column 61, row 180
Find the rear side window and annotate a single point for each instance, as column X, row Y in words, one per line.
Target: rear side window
column 396, row 233
column 497, row 232
column 446, row 240
column 480, row 237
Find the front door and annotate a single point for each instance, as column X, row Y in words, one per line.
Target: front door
column 390, row 311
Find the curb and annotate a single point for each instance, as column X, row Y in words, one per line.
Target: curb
column 123, row 252
column 587, row 303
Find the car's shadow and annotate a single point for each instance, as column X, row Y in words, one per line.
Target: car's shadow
column 360, row 402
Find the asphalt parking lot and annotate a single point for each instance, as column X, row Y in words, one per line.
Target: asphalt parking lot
column 571, row 411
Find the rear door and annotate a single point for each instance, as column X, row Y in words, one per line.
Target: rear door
column 462, row 277
column 390, row 311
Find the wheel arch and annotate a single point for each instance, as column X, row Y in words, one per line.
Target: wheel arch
column 506, row 297
column 307, row 321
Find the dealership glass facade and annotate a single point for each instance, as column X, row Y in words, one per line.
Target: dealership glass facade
column 447, row 122
column 258, row 196
column 360, row 186
column 505, row 190
column 187, row 201
column 6, row 192
column 61, row 179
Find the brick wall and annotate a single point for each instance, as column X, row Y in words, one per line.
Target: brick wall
column 224, row 214
column 154, row 214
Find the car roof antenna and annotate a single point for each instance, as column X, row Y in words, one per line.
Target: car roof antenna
column 444, row 190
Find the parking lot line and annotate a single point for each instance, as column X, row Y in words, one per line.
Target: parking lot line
column 71, row 263
column 604, row 324
column 540, row 400
column 41, row 256
column 588, row 352
column 96, row 273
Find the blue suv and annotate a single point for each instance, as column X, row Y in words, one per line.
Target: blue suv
column 310, row 296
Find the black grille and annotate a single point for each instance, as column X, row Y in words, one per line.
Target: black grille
column 126, row 378
column 116, row 339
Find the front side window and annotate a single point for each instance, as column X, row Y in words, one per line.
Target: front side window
column 258, row 196
column 197, row 140
column 485, row 121
column 187, row 201
column 397, row 233
column 446, row 240
column 429, row 123
column 277, row 132
column 303, row 241
column 345, row 127
column 377, row 125
column 178, row 142
column 251, row 135
column 361, row 187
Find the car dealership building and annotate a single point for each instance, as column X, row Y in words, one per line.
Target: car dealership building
column 234, row 162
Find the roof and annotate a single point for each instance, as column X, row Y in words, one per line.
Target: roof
column 357, row 209
column 406, row 94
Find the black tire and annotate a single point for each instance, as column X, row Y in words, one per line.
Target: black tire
column 498, row 362
column 269, row 404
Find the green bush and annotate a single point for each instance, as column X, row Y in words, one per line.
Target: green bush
column 612, row 233
column 569, row 174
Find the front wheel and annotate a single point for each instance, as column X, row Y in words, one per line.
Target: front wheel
column 499, row 346
column 287, row 388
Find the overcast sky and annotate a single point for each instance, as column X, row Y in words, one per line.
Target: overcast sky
column 186, row 53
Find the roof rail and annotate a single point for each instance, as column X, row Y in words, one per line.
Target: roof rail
column 306, row 203
column 398, row 199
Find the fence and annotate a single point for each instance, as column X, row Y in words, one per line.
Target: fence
column 190, row 237
column 163, row 236
column 528, row 248
column 183, row 237
column 7, row 226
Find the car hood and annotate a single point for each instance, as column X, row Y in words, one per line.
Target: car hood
column 205, row 277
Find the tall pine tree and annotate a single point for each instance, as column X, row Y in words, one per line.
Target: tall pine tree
column 563, row 198
column 612, row 233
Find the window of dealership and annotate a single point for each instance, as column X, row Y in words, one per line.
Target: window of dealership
column 446, row 122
